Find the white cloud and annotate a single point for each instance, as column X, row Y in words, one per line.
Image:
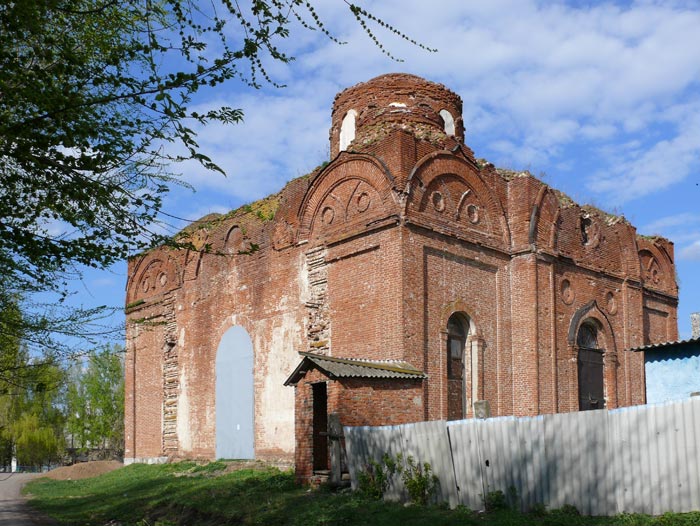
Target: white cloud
column 607, row 93
column 598, row 131
column 283, row 135
column 537, row 78
column 541, row 76
column 690, row 252
column 103, row 282
column 683, row 229
column 641, row 171
column 670, row 222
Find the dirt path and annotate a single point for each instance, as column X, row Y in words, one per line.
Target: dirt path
column 14, row 510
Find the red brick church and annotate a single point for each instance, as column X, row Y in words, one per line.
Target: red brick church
column 405, row 280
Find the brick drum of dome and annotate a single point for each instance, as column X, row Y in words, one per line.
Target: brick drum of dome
column 396, row 99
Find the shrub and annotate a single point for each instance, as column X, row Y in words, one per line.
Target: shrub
column 568, row 509
column 373, row 480
column 495, row 500
column 420, row 481
column 538, row 509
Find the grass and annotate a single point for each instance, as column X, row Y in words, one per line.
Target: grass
column 212, row 495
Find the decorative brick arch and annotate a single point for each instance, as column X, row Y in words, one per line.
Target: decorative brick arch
column 464, row 307
column 544, row 220
column 656, row 266
column 353, row 189
column 473, row 359
column 155, row 274
column 626, row 236
column 591, row 313
column 442, row 169
column 193, row 264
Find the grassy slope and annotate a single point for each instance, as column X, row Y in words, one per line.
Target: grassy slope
column 185, row 494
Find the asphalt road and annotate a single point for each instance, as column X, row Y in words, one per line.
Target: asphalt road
column 14, row 510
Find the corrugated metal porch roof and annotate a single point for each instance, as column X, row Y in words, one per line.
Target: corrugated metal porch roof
column 334, row 367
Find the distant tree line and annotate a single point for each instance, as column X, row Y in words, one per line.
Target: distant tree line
column 50, row 409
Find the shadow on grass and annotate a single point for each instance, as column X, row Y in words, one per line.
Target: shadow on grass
column 185, row 494
column 168, row 493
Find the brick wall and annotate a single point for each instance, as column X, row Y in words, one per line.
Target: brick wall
column 359, row 402
column 368, row 257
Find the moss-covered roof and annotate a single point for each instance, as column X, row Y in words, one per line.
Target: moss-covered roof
column 265, row 209
column 262, row 210
column 509, row 175
column 374, row 133
column 608, row 217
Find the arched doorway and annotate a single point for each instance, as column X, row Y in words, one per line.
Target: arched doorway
column 234, row 395
column 457, row 334
column 591, row 383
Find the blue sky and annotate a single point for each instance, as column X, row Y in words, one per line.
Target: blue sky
column 599, row 99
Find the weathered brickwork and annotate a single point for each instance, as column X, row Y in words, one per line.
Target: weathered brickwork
column 392, row 402
column 404, row 247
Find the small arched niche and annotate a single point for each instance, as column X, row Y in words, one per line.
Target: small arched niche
column 449, row 122
column 347, row 130
column 234, row 396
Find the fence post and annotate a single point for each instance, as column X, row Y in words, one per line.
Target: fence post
column 335, row 434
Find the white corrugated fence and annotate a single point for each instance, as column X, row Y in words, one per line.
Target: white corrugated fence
column 642, row 459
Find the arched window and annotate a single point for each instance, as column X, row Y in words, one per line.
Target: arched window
column 591, row 385
column 457, row 332
column 347, row 129
column 449, row 122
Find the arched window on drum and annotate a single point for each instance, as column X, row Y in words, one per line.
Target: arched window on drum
column 347, row 129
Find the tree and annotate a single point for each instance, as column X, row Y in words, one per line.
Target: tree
column 90, row 93
column 13, row 376
column 38, row 406
column 31, row 420
column 95, row 402
column 36, row 443
column 85, row 105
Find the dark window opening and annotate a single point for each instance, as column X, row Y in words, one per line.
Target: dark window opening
column 320, row 426
column 591, row 384
column 456, row 339
column 457, row 331
column 587, row 337
column 586, row 224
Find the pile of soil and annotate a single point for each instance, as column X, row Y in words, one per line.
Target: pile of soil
column 84, row 470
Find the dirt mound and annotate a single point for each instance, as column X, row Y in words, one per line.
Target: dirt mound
column 84, row 470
